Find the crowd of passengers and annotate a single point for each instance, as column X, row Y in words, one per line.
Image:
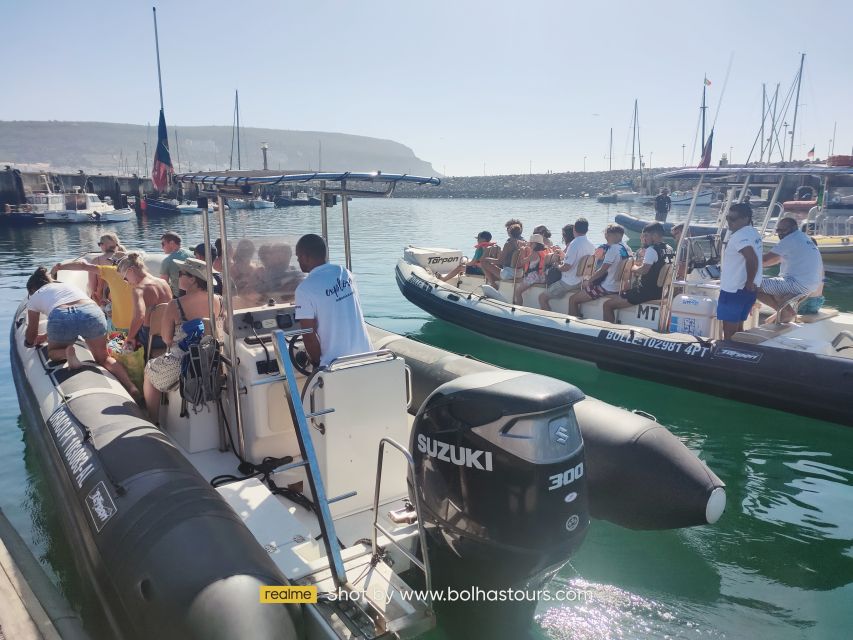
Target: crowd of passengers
column 523, row 263
column 537, row 260
column 123, row 293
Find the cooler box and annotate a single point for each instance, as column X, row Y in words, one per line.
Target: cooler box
column 692, row 314
column 441, row 261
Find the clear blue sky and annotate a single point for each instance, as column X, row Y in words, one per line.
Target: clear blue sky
column 462, row 83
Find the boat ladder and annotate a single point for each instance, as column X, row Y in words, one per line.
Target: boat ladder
column 379, row 614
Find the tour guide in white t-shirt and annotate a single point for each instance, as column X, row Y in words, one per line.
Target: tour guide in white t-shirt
column 741, row 270
column 327, row 302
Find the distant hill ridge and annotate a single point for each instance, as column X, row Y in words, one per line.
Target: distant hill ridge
column 104, row 147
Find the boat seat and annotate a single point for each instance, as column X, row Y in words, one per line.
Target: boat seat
column 823, row 314
column 631, row 315
column 762, row 333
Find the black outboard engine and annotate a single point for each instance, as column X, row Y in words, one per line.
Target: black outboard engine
column 499, row 463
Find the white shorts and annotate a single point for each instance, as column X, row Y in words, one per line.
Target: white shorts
column 508, row 273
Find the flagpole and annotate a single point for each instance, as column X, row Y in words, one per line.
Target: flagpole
column 703, row 108
column 157, row 46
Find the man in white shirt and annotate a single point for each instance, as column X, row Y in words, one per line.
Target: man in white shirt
column 327, row 302
column 570, row 281
column 740, row 273
column 605, row 281
column 801, row 272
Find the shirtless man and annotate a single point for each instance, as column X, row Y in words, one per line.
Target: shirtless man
column 148, row 291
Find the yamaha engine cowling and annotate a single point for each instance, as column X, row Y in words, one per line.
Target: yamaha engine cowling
column 499, row 464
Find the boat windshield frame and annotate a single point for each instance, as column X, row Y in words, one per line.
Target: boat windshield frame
column 343, row 185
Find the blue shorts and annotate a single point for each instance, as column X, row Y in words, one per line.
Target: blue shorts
column 473, row 270
column 65, row 324
column 735, row 307
column 811, row 305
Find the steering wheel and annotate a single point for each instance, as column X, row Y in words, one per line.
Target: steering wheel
column 299, row 356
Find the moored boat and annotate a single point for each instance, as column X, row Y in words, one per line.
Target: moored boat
column 457, row 499
column 87, row 207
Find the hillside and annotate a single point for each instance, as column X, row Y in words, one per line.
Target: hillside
column 102, row 147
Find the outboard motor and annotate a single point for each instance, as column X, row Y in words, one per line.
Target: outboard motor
column 499, row 463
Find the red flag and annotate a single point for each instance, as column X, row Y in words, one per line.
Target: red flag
column 707, row 82
column 162, row 171
column 810, row 154
column 706, row 153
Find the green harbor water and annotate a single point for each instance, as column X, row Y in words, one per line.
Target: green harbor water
column 778, row 564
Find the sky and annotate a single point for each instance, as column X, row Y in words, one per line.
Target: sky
column 474, row 87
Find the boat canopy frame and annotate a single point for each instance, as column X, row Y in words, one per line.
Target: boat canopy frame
column 345, row 185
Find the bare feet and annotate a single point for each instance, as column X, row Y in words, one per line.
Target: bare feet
column 71, row 357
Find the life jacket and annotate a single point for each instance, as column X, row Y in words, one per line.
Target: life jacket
column 650, row 280
column 543, row 259
column 482, row 246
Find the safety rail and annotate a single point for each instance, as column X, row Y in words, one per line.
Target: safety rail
column 423, row 566
column 309, row 456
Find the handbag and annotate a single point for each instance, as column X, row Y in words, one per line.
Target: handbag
column 553, row 275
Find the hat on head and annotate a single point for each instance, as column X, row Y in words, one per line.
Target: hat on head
column 194, row 267
column 536, row 237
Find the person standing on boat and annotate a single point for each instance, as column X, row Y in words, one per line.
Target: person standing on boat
column 740, row 273
column 109, row 245
column 656, row 253
column 663, row 204
column 120, row 297
column 570, row 281
column 70, row 314
column 171, row 244
column 327, row 302
column 147, row 292
column 801, row 270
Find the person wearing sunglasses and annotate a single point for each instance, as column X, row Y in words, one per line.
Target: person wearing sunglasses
column 109, row 245
column 740, row 272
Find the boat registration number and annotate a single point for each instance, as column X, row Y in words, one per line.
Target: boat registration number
column 420, row 283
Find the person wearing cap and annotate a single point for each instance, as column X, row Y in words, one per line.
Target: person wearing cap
column 534, row 260
column 171, row 244
column 120, row 291
column 327, row 302
column 476, row 266
column 181, row 321
column 663, row 203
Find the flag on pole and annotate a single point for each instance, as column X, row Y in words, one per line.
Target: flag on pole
column 162, row 171
column 810, row 154
column 707, row 82
column 706, row 152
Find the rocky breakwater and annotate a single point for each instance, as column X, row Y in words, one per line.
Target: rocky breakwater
column 527, row 186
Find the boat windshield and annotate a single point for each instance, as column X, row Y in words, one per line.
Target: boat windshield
column 263, row 269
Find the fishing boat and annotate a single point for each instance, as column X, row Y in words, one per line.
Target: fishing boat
column 299, row 199
column 260, row 203
column 406, row 467
column 81, row 206
column 31, row 206
column 802, row 366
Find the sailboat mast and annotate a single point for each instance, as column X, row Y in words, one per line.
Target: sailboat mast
column 237, row 107
column 703, row 108
column 157, row 46
column 639, row 148
column 634, row 135
column 763, row 118
column 796, row 106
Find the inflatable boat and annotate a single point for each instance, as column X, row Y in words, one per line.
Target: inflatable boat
column 634, row 226
column 406, row 467
column 804, row 367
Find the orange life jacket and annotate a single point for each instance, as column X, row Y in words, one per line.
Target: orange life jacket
column 543, row 258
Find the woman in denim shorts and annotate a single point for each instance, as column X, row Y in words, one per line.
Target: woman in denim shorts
column 70, row 314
